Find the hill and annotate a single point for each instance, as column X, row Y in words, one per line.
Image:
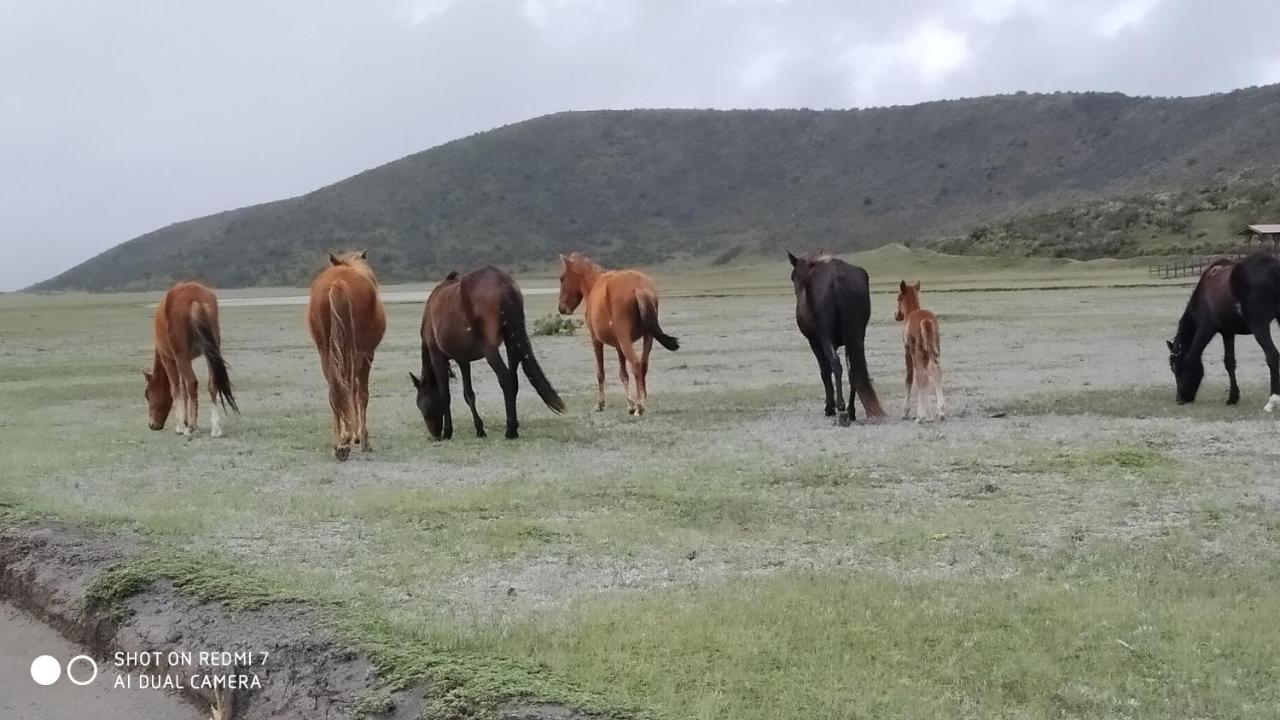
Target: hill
column 642, row 186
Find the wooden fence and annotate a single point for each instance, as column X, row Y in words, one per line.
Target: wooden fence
column 1185, row 268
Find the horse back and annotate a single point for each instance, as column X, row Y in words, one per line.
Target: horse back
column 463, row 315
column 613, row 315
column 367, row 315
column 175, row 320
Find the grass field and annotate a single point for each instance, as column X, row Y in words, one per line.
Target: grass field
column 1096, row 551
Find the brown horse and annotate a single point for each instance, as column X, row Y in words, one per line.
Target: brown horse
column 186, row 327
column 923, row 349
column 621, row 307
column 465, row 319
column 347, row 322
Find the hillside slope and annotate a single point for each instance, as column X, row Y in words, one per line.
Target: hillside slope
column 644, row 185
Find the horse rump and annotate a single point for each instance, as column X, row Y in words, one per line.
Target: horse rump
column 516, row 338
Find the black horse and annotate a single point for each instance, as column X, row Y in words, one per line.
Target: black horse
column 833, row 306
column 1232, row 298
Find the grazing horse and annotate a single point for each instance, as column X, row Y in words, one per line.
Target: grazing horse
column 833, row 306
column 923, row 349
column 1232, row 298
column 186, row 327
column 347, row 322
column 621, row 307
column 465, row 319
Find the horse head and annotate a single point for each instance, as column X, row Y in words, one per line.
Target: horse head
column 1186, row 375
column 159, row 398
column 908, row 299
column 429, row 403
column 577, row 274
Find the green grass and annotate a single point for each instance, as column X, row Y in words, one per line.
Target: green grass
column 733, row 554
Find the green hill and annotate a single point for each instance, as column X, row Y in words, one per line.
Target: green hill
column 642, row 186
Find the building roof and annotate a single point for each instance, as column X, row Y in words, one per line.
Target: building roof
column 1260, row 230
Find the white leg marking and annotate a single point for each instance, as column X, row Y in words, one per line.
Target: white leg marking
column 216, row 419
column 1272, row 403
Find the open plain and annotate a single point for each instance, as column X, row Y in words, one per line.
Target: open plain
column 1069, row 543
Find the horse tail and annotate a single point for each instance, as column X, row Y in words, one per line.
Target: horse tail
column 342, row 354
column 932, row 341
column 207, row 337
column 516, row 337
column 648, row 307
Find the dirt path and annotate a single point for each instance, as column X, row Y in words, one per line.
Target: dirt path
column 23, row 638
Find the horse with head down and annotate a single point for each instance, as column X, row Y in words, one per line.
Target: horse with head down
column 1232, row 298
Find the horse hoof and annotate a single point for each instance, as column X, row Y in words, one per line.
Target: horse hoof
column 216, row 432
column 1273, row 402
column 829, row 411
column 512, row 435
column 481, row 433
column 342, row 452
column 600, row 406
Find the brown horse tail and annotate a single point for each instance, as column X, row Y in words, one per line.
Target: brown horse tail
column 209, row 345
column 342, row 354
column 648, row 306
column 516, row 337
column 932, row 343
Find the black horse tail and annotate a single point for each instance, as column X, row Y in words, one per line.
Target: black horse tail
column 207, row 336
column 648, row 307
column 855, row 333
column 515, row 336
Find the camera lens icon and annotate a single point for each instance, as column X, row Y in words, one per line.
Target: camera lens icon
column 45, row 670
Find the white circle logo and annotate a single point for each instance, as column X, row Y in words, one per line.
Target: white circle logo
column 92, row 664
column 46, row 670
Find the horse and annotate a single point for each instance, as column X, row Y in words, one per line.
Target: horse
column 923, row 349
column 1232, row 298
column 347, row 322
column 833, row 307
column 465, row 319
column 186, row 327
column 621, row 307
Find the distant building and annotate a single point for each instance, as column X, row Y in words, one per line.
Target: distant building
column 1263, row 234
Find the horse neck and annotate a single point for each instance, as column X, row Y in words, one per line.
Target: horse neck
column 1186, row 328
column 589, row 277
column 157, row 367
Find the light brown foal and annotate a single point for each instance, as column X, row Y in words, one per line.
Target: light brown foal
column 923, row 349
column 621, row 307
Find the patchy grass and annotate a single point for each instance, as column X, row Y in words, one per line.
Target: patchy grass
column 734, row 554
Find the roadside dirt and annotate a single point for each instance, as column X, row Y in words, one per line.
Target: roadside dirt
column 45, row 570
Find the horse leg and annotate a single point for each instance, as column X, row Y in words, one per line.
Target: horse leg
column 362, row 404
column 216, row 417
column 824, row 370
column 906, row 407
column 936, row 381
column 598, row 347
column 1262, row 333
column 1229, row 361
column 507, row 380
column 833, row 359
column 440, row 366
column 642, row 374
column 625, row 378
column 190, row 396
column 179, row 408
column 469, row 394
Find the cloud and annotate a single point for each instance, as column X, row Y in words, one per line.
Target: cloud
column 118, row 119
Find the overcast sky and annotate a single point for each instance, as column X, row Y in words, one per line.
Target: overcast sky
column 118, row 118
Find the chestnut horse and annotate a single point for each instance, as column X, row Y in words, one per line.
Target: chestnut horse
column 465, row 319
column 1232, row 298
column 833, row 307
column 923, row 349
column 347, row 322
column 186, row 327
column 621, row 307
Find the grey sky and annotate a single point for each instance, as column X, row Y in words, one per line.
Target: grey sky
column 118, row 118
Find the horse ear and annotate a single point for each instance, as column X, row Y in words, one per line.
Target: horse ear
column 1170, row 345
column 146, row 374
column 916, row 285
column 564, row 261
column 794, row 260
column 364, row 254
column 902, row 286
column 333, row 259
column 414, row 379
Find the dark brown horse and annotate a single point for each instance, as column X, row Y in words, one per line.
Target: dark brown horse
column 833, row 306
column 1232, row 298
column 465, row 319
column 347, row 322
column 186, row 327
